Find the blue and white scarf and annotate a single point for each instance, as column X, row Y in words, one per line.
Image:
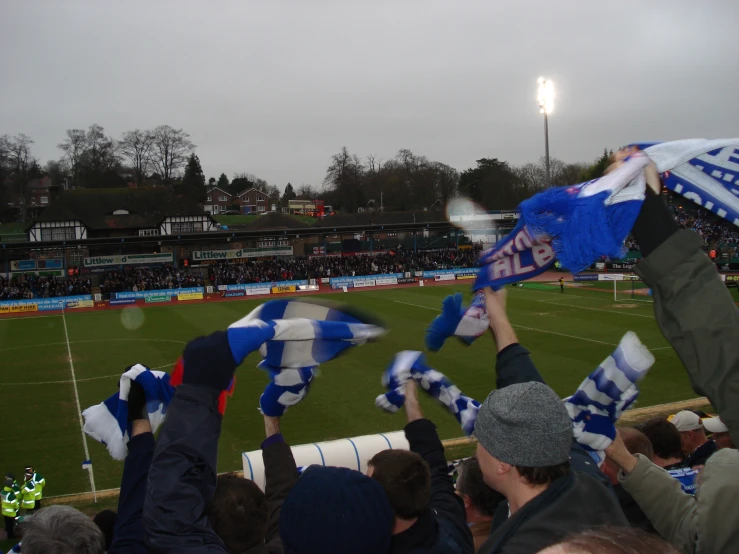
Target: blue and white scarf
column 575, row 224
column 409, row 364
column 603, row 396
column 107, row 422
column 594, row 408
column 465, row 322
column 306, row 334
column 703, row 171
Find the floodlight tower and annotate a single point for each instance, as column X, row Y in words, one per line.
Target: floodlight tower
column 545, row 98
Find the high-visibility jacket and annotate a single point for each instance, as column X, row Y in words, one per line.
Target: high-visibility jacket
column 28, row 495
column 10, row 502
column 40, row 482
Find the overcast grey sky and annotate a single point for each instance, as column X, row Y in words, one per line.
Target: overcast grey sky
column 275, row 87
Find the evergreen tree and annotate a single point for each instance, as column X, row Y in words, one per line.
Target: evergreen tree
column 193, row 182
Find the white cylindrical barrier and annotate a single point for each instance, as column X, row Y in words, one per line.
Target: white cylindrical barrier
column 353, row 453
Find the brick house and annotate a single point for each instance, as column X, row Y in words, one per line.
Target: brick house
column 217, row 201
column 253, row 201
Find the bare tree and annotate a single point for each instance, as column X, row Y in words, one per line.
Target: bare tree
column 136, row 146
column 170, row 149
column 306, row 192
column 20, row 162
column 101, row 151
column 74, row 149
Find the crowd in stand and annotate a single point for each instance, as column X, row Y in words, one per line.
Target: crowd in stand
column 148, row 278
column 713, row 229
column 27, row 286
column 316, row 267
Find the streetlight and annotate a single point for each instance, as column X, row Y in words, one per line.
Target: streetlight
column 545, row 98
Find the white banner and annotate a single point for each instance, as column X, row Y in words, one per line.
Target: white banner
column 257, row 290
column 364, row 283
column 445, row 277
column 387, row 281
column 131, row 259
column 209, row 290
column 611, row 277
column 325, row 280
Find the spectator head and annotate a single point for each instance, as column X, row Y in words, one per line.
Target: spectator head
column 105, row 520
column 238, row 513
column 636, row 442
column 611, row 540
column 480, row 501
column 406, row 478
column 61, row 529
column 665, row 439
column 690, row 427
column 9, row 479
column 719, row 432
column 524, row 438
column 334, row 509
column 28, row 472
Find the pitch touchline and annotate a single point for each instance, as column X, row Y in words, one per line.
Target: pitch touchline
column 79, row 409
column 78, row 380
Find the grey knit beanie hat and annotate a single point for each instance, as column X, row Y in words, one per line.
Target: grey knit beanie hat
column 525, row 425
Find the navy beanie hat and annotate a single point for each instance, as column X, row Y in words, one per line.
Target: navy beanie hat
column 336, row 510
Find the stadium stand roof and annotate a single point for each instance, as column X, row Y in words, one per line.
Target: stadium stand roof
column 118, row 208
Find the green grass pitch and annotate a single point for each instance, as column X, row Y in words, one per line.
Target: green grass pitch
column 568, row 335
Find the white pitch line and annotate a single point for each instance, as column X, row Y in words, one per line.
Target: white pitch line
column 550, row 303
column 27, row 317
column 78, row 380
column 525, row 328
column 79, row 408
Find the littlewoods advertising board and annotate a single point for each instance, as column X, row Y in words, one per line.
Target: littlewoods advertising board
column 131, row 259
column 209, row 255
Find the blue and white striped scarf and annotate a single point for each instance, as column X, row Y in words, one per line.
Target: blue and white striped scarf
column 107, row 422
column 594, row 408
column 464, row 322
column 603, row 396
column 307, row 333
column 409, row 364
column 703, row 171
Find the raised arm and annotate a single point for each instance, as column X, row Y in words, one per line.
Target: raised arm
column 281, row 474
column 128, row 532
column 424, row 440
column 514, row 364
column 182, row 478
column 693, row 308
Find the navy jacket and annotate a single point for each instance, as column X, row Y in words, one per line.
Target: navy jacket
column 128, row 532
column 443, row 529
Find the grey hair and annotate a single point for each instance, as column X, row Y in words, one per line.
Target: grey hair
column 61, row 530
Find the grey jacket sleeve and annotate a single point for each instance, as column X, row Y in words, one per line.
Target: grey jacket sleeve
column 673, row 513
column 698, row 317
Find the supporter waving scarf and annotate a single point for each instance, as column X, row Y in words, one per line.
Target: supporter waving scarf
column 594, row 408
column 293, row 337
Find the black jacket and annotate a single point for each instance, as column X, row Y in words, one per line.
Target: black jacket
column 571, row 503
column 701, row 454
column 444, row 528
column 128, row 531
column 182, row 478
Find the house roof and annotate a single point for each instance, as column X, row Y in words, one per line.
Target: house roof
column 208, row 191
column 95, row 208
column 243, row 192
